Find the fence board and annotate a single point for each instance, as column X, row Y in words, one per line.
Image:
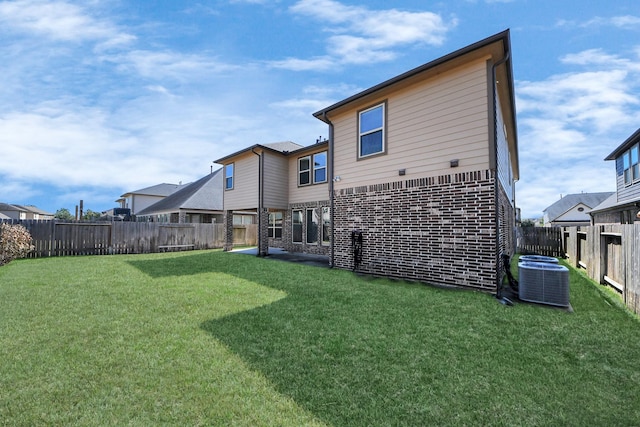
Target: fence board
column 68, row 238
column 610, row 253
column 540, row 240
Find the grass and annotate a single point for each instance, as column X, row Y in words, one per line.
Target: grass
column 211, row 338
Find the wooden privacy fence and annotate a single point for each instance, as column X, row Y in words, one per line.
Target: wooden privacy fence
column 610, row 254
column 58, row 238
column 540, row 240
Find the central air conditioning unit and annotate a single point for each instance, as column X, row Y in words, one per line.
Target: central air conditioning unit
column 543, row 283
column 538, row 258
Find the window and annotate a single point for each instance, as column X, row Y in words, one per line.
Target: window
column 312, row 226
column 326, row 226
column 228, row 177
column 239, row 219
column 296, row 225
column 320, row 167
column 275, row 225
column 319, row 170
column 304, row 170
column 371, row 131
column 635, row 167
column 631, row 165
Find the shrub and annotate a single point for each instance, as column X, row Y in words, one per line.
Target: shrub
column 15, row 242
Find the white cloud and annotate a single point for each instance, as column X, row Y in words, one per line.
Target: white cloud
column 166, row 64
column 624, row 22
column 322, row 63
column 569, row 122
column 361, row 35
column 60, row 21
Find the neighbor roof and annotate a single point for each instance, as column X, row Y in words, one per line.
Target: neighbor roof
column 567, row 202
column 8, row 207
column 203, row 194
column 33, row 209
column 157, row 190
column 624, row 146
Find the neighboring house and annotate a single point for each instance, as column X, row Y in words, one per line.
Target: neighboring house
column 623, row 207
column 573, row 209
column 34, row 212
column 145, row 197
column 198, row 202
column 24, row 212
column 13, row 211
column 416, row 180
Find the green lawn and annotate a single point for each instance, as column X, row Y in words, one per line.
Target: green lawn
column 212, row 338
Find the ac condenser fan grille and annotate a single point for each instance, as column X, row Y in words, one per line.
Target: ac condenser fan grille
column 543, row 283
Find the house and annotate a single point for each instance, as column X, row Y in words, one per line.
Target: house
column 13, row 211
column 198, row 202
column 286, row 186
column 623, row 207
column 24, row 212
column 573, row 209
column 416, row 180
column 145, row 197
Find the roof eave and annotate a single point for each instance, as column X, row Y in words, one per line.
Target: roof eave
column 624, row 146
column 244, row 150
column 502, row 36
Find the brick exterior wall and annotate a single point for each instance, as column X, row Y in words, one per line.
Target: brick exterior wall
column 439, row 230
column 263, row 238
column 228, row 229
column 286, row 242
column 507, row 238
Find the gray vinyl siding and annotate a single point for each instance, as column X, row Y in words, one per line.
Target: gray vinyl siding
column 625, row 192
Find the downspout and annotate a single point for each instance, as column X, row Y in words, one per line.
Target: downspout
column 496, row 188
column 331, row 186
column 260, row 201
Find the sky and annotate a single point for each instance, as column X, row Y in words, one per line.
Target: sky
column 99, row 98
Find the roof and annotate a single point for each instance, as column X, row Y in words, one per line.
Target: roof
column 157, row 190
column 499, row 45
column 283, row 147
column 7, row 207
column 33, row 209
column 3, row 216
column 567, row 202
column 203, row 194
column 624, row 146
column 500, row 37
column 612, row 202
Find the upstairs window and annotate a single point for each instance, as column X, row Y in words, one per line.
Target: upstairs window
column 631, row 165
column 304, row 170
column 228, row 177
column 320, row 167
column 312, row 169
column 371, row 131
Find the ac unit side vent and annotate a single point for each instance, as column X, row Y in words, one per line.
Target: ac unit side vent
column 543, row 283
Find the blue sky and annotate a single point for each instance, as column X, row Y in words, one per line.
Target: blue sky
column 103, row 97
